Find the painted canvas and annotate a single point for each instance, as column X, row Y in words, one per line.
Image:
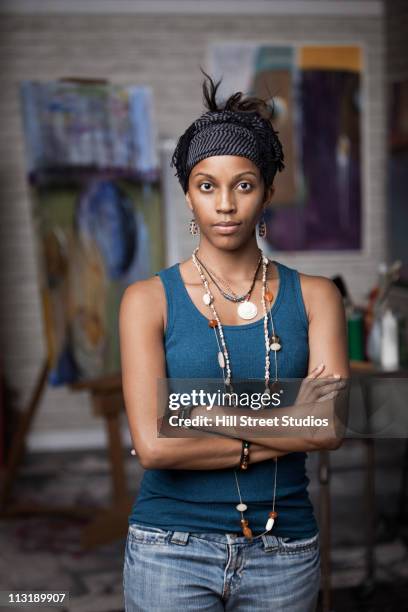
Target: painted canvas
column 97, row 219
column 71, row 125
column 315, row 92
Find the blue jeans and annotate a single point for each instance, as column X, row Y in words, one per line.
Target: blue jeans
column 176, row 571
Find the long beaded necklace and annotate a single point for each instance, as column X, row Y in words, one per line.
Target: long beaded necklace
column 224, row 363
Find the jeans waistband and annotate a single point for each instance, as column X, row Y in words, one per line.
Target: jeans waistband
column 269, row 541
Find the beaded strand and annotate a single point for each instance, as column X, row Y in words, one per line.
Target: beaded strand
column 224, row 362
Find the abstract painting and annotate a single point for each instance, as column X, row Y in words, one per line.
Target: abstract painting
column 315, row 93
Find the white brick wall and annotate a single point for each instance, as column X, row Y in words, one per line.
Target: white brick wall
column 163, row 52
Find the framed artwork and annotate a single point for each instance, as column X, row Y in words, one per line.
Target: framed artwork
column 317, row 111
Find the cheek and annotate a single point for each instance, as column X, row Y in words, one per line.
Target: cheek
column 251, row 208
column 203, row 205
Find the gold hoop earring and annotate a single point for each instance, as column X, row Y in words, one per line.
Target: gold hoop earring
column 193, row 227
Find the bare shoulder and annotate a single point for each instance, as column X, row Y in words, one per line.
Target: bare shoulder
column 144, row 300
column 319, row 293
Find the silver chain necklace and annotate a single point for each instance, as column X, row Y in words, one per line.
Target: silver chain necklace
column 232, row 296
column 247, row 310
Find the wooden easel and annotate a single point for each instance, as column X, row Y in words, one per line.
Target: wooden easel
column 107, row 402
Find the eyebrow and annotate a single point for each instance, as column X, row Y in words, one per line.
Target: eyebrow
column 234, row 177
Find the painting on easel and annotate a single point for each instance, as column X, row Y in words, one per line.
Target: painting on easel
column 96, row 207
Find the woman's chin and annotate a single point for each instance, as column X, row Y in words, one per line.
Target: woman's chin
column 228, row 243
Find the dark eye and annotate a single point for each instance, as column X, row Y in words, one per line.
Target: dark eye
column 247, row 186
column 204, row 186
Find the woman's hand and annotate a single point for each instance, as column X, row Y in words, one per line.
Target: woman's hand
column 314, row 389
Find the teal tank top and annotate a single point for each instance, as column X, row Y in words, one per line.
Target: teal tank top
column 204, row 500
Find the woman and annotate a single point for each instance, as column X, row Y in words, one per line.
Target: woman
column 221, row 523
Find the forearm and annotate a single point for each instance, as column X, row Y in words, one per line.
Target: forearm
column 333, row 412
column 218, row 447
column 206, row 453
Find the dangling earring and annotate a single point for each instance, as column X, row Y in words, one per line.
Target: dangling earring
column 262, row 228
column 193, row 227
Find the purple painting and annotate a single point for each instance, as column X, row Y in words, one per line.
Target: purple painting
column 328, row 214
column 315, row 94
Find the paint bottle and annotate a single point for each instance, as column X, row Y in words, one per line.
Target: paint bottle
column 355, row 332
column 389, row 341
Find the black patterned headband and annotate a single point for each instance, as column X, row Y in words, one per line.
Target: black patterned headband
column 243, row 133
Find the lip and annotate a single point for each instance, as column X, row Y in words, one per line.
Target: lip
column 226, row 227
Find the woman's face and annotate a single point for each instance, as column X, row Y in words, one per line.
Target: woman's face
column 227, row 196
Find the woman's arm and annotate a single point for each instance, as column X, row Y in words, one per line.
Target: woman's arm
column 141, row 325
column 327, row 325
column 328, row 339
column 327, row 346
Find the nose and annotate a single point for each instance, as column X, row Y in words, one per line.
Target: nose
column 225, row 202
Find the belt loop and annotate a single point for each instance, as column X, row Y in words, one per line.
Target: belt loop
column 180, row 537
column 270, row 543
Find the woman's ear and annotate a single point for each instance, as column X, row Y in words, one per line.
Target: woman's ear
column 268, row 196
column 188, row 199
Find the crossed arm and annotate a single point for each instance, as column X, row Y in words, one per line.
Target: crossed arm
column 141, row 327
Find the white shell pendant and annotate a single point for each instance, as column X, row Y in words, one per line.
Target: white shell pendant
column 269, row 524
column 247, row 310
column 275, row 343
column 221, row 359
column 241, row 507
column 207, row 299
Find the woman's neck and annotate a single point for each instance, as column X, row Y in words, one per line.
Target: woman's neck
column 235, row 265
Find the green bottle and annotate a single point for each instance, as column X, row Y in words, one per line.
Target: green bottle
column 355, row 331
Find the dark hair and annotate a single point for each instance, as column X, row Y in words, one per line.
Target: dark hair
column 237, row 102
column 249, row 111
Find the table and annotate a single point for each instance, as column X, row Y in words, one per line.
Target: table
column 361, row 371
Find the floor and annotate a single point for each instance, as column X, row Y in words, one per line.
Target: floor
column 40, row 553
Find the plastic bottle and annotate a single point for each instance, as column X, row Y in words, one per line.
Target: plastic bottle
column 389, row 341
